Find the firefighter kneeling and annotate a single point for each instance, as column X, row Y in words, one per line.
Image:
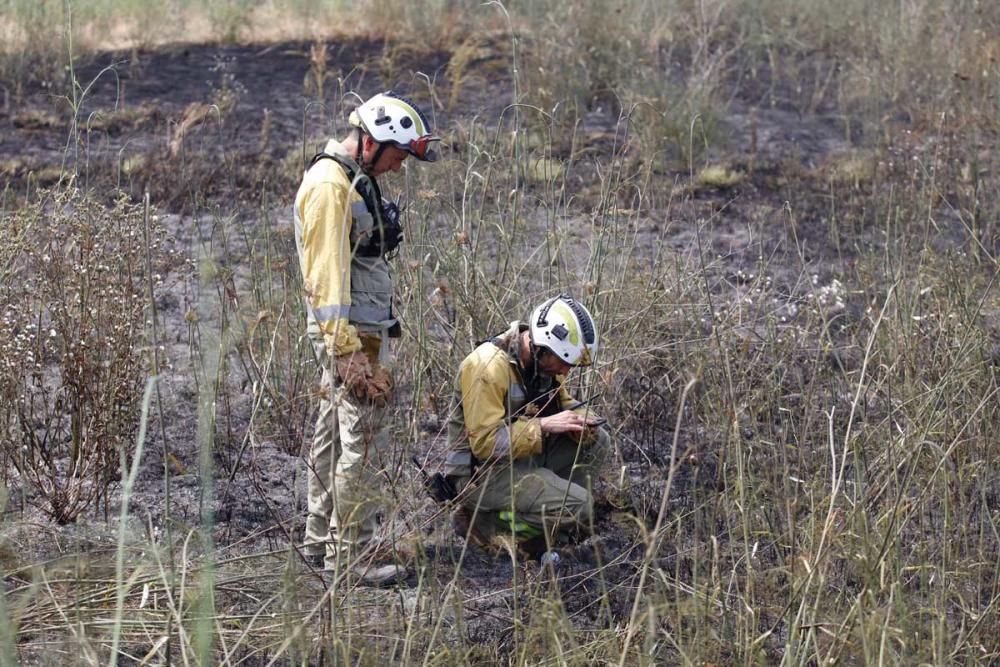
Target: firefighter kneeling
column 523, row 452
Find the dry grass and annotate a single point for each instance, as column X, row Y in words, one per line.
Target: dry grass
column 801, row 327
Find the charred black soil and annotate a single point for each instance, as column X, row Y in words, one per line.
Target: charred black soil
column 217, row 136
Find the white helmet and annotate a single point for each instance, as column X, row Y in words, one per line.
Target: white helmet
column 393, row 119
column 563, row 326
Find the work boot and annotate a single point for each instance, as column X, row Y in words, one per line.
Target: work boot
column 461, row 522
column 378, row 564
column 373, row 569
column 378, row 574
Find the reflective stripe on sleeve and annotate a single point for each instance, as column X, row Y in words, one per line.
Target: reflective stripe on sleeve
column 501, row 447
column 334, row 311
column 369, row 314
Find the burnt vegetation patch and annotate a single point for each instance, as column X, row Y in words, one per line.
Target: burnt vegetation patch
column 779, row 214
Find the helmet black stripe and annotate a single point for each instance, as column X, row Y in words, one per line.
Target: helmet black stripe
column 586, row 324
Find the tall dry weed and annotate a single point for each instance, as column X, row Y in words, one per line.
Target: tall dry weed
column 74, row 350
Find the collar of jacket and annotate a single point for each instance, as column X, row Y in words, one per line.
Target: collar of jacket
column 510, row 342
column 334, row 147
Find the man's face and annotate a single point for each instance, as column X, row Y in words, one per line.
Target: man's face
column 551, row 365
column 390, row 160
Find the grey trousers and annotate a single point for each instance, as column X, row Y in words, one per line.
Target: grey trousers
column 550, row 491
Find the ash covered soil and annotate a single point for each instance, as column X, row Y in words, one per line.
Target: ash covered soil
column 217, row 135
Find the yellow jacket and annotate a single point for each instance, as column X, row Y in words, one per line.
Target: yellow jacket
column 491, row 414
column 345, row 292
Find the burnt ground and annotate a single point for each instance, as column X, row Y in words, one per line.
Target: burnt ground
column 147, row 124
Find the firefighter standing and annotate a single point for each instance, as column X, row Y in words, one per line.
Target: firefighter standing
column 344, row 230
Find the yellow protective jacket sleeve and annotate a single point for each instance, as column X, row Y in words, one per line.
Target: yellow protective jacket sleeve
column 484, row 379
column 325, row 212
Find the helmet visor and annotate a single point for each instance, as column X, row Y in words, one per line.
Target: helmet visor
column 420, row 148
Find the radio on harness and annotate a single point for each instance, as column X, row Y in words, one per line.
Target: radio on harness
column 387, row 233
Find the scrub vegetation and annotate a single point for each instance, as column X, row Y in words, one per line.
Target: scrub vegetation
column 781, row 213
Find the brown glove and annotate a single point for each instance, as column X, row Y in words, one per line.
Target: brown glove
column 354, row 369
column 587, row 436
column 591, row 432
column 380, row 386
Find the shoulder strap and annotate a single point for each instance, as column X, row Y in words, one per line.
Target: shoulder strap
column 494, row 340
column 547, row 401
column 371, row 195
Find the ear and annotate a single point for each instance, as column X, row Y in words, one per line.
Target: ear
column 367, row 143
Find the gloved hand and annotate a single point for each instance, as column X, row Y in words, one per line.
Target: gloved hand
column 380, row 386
column 354, row 369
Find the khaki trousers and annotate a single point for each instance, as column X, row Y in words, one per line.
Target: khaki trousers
column 550, row 491
column 349, row 453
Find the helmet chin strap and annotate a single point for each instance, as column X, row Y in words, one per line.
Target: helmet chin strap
column 378, row 153
column 360, row 152
column 359, row 145
column 536, row 353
